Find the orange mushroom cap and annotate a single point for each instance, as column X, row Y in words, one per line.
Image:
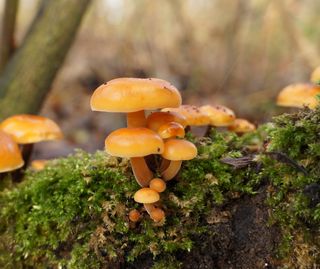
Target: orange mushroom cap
column 134, row 94
column 193, row 115
column 299, row 95
column 242, row 126
column 178, row 150
column 171, row 129
column 219, row 115
column 146, row 196
column 133, row 142
column 156, row 119
column 134, row 215
column 158, row 185
column 27, row 129
column 10, row 156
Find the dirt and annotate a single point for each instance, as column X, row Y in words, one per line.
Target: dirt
column 241, row 239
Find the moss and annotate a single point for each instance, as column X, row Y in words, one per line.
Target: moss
column 73, row 214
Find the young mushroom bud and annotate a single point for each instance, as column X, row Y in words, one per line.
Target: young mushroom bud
column 134, row 215
column 158, row 185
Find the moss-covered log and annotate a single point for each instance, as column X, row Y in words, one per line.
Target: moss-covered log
column 29, row 74
column 244, row 202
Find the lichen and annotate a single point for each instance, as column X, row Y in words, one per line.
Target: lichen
column 74, row 213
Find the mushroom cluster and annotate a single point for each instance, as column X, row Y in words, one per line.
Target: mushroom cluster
column 160, row 134
column 25, row 130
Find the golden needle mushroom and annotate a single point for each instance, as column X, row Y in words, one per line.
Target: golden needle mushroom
column 176, row 151
column 148, row 197
column 299, row 95
column 135, row 143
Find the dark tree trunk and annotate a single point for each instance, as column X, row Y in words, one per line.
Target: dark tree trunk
column 28, row 76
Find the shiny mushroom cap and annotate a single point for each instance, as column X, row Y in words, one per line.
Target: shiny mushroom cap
column 179, row 150
column 133, row 142
column 219, row 115
column 158, row 185
column 10, row 156
column 242, row 126
column 134, row 94
column 171, row 129
column 315, row 76
column 146, row 196
column 27, row 129
column 156, row 119
column 193, row 115
column 299, row 95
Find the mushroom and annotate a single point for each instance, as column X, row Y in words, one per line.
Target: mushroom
column 171, row 129
column 133, row 96
column 193, row 115
column 176, row 151
column 134, row 215
column 220, row 116
column 135, row 143
column 29, row 129
column 167, row 124
column 299, row 95
column 148, row 197
column 315, row 76
column 156, row 119
column 241, row 126
column 11, row 158
column 158, row 185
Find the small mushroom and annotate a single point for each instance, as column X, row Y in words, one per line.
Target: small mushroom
column 193, row 115
column 157, row 119
column 171, row 129
column 29, row 129
column 135, row 143
column 241, row 126
column 134, row 215
column 10, row 155
column 158, row 185
column 299, row 95
column 148, row 197
column 176, row 151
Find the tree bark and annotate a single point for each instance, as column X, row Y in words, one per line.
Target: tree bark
column 29, row 74
column 7, row 44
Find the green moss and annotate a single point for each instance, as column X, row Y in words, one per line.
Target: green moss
column 73, row 214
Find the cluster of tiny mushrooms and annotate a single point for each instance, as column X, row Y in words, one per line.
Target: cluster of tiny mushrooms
column 154, row 142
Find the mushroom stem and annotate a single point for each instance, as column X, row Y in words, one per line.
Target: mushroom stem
column 149, row 208
column 141, row 171
column 136, row 119
column 164, row 164
column 26, row 153
column 172, row 170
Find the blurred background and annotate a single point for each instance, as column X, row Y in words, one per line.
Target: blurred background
column 238, row 53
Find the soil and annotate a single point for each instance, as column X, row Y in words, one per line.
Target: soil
column 238, row 238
